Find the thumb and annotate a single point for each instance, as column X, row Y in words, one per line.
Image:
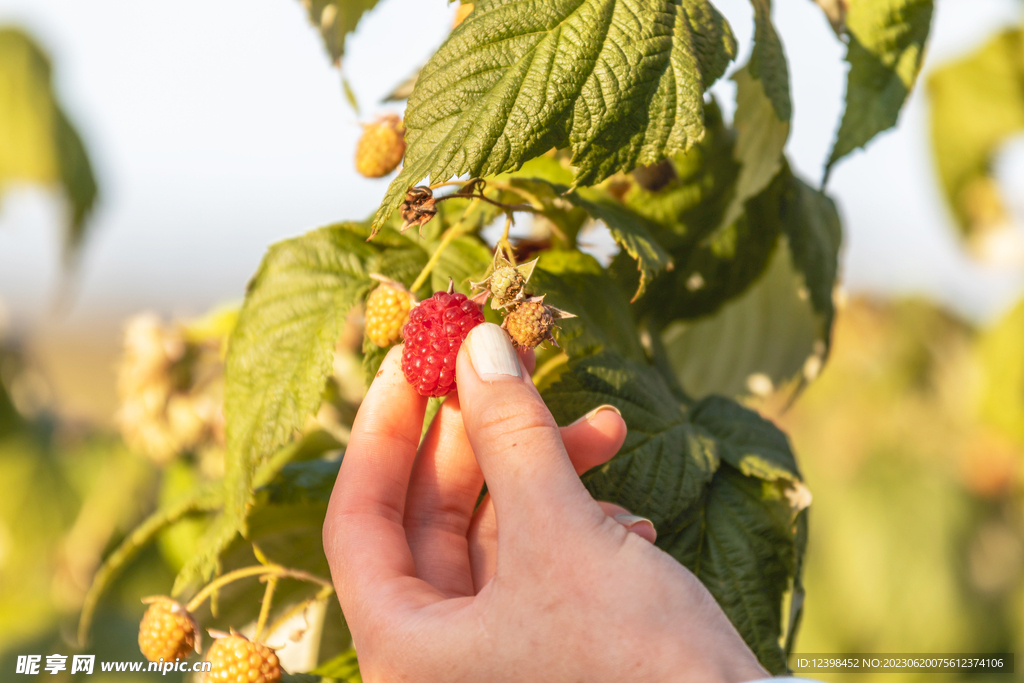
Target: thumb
column 514, row 437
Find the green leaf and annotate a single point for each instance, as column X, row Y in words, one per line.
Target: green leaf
column 335, row 19
column 665, row 462
column 887, row 42
column 700, row 186
column 754, row 344
column 38, row 144
column 575, row 282
column 748, row 442
column 218, row 537
column 760, row 138
column 742, row 543
column 781, row 326
column 977, row 103
column 465, row 259
column 745, row 555
column 630, row 230
column 619, row 82
column 721, row 266
column 282, row 347
column 797, row 593
column 686, row 470
column 306, row 483
column 344, row 667
column 768, row 61
column 811, row 221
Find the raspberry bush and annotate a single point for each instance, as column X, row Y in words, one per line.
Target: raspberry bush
column 535, row 129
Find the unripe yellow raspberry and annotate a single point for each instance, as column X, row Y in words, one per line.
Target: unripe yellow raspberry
column 381, row 147
column 236, row 659
column 529, row 324
column 387, row 309
column 167, row 631
column 531, row 321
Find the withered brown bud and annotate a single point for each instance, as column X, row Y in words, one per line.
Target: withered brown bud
column 418, row 207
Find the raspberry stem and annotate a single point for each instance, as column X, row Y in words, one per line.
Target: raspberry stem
column 261, row 570
column 528, row 196
column 450, row 234
column 503, row 241
column 450, row 183
column 268, row 599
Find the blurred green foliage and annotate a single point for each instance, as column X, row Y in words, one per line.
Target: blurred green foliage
column 38, row 144
column 70, row 494
column 917, row 526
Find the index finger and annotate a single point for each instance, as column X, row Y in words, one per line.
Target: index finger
column 364, row 538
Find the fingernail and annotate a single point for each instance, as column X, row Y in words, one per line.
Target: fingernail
column 600, row 409
column 491, row 352
column 630, row 521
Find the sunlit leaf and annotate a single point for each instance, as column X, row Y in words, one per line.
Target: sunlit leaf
column 630, row 230
column 768, row 61
column 282, row 348
column 976, row 105
column 619, row 82
column 887, row 42
column 760, row 138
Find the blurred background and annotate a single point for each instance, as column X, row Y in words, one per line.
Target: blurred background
column 214, row 129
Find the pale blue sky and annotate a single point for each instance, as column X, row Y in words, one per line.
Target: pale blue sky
column 218, row 127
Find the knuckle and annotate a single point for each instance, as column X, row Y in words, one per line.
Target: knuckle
column 514, row 418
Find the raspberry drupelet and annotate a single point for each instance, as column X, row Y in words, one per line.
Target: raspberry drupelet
column 433, row 335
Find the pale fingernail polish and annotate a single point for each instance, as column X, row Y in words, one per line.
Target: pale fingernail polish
column 600, row 409
column 491, row 352
column 629, row 521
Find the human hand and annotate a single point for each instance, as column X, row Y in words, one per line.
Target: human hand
column 541, row 582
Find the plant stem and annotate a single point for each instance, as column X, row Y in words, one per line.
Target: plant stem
column 503, row 241
column 446, row 239
column 495, row 202
column 537, row 204
column 268, row 598
column 448, row 184
column 272, row 570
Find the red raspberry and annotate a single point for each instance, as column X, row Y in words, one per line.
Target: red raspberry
column 433, row 335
